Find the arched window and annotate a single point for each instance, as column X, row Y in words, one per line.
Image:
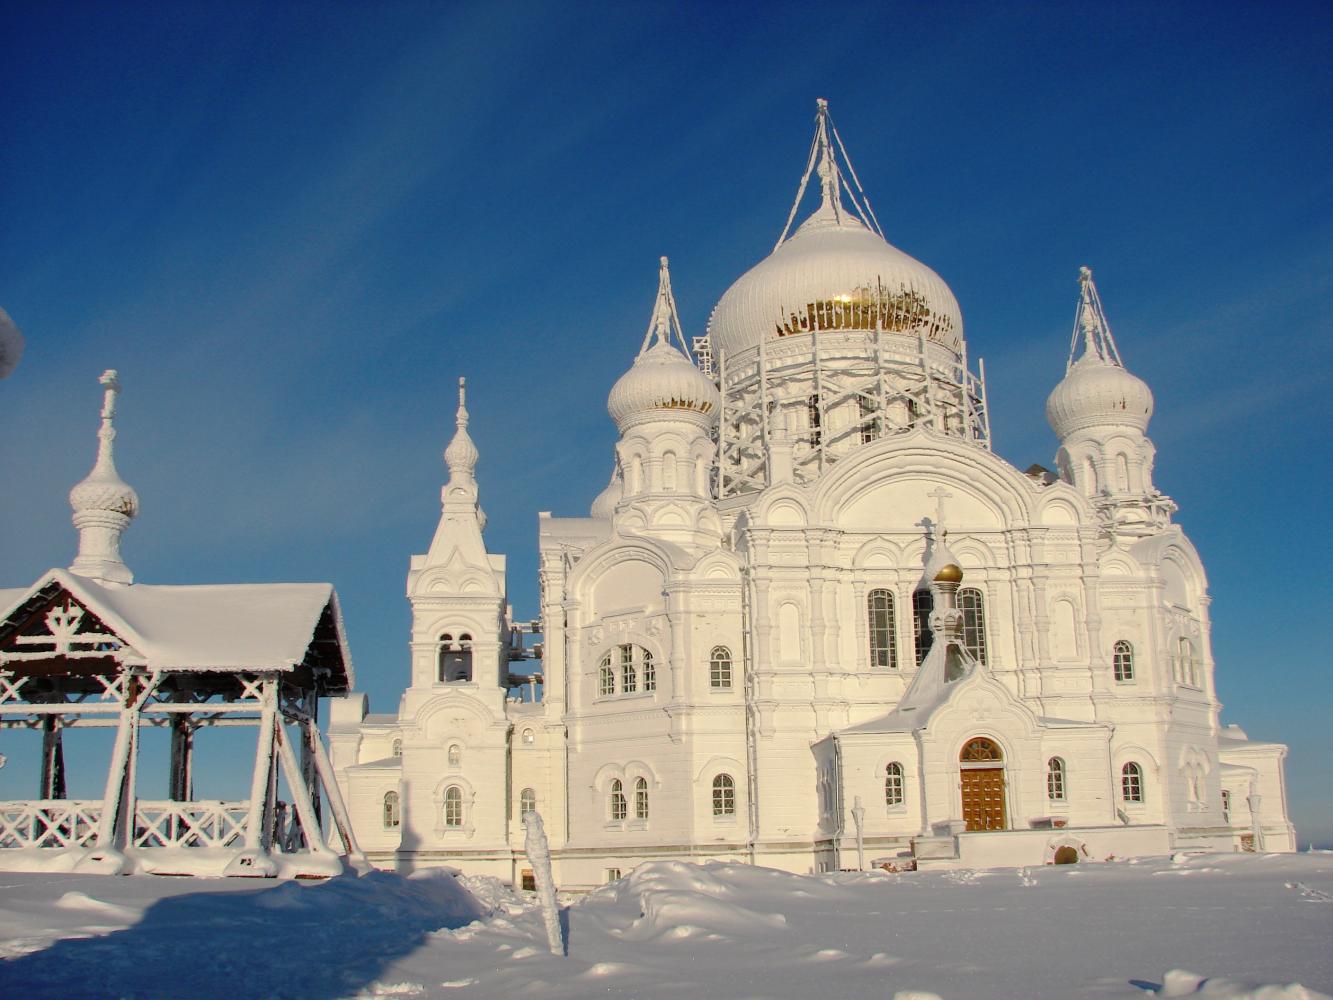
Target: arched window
column 619, row 808
column 624, row 668
column 455, row 659
column 869, row 421
column 719, row 667
column 883, row 641
column 629, row 677
column 1090, row 471
column 669, row 472
column 397, row 748
column 1055, row 779
column 1123, row 661
column 453, row 807
column 1131, row 782
column 392, row 817
column 1226, row 806
column 455, row 755
column 893, row 784
column 972, row 605
column 641, row 798
column 923, row 603
column 1122, row 472
column 979, row 751
column 527, row 801
column 814, row 419
column 1187, row 662
column 529, row 737
column 724, row 795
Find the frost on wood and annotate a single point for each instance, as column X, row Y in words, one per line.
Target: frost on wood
column 539, row 854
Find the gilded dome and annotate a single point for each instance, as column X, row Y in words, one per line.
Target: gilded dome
column 835, row 274
column 1097, row 393
column 949, row 573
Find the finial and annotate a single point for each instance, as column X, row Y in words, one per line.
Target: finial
column 103, row 503
column 1091, row 327
column 461, row 455
column 823, row 161
column 665, row 322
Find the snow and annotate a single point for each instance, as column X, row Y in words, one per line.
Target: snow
column 1212, row 927
column 260, row 626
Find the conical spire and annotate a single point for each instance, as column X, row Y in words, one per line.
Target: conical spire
column 103, row 503
column 461, row 455
column 665, row 323
column 1091, row 327
column 823, row 162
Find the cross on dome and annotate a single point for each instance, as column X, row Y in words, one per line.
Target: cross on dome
column 461, row 455
column 665, row 323
column 823, row 161
column 1091, row 326
column 939, row 494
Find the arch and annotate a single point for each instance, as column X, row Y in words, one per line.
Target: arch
column 1055, row 779
column 724, row 795
column 396, row 748
column 1122, row 472
column 454, row 755
column 1064, row 629
column 392, row 816
column 1122, row 661
column 972, row 603
column 669, row 472
column 789, row 632
column 527, row 801
column 893, row 784
column 1065, row 854
column 640, row 798
column 982, row 783
column 619, row 807
column 883, row 627
column 453, row 807
column 1131, row 783
column 454, row 659
column 1090, row 475
column 1059, row 513
column 719, row 668
column 923, row 603
column 1185, row 662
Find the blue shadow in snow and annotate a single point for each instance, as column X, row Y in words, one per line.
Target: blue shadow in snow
column 321, row 940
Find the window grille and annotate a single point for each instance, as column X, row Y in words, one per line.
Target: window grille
column 619, row 807
column 923, row 603
column 1226, row 806
column 527, row 801
column 629, row 682
column 397, row 748
column 649, row 671
column 883, row 640
column 392, row 815
column 893, row 784
column 973, row 607
column 453, row 807
column 719, row 667
column 1123, row 661
column 455, row 755
column 1131, row 782
column 1187, row 662
column 869, row 421
column 724, row 795
column 1055, row 779
column 608, row 677
column 813, row 416
column 641, row 798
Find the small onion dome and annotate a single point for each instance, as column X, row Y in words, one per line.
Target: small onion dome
column 1098, row 393
column 833, row 274
column 461, row 455
column 605, row 504
column 949, row 573
column 102, row 490
column 662, row 384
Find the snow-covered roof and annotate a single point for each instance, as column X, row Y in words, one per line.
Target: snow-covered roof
column 214, row 627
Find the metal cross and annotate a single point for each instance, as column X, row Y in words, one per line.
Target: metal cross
column 940, row 494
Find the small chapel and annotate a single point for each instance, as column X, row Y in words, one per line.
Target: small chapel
column 813, row 621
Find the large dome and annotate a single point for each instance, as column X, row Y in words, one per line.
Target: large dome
column 835, row 274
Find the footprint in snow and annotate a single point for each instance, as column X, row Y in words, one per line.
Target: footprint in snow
column 1313, row 895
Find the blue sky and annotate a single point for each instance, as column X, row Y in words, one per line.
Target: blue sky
column 291, row 227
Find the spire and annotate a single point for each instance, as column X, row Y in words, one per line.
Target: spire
column 461, row 455
column 1091, row 327
column 665, row 323
column 103, row 503
column 823, row 161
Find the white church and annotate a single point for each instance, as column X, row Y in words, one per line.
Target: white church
column 813, row 621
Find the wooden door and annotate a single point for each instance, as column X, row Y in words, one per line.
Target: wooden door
column 983, row 798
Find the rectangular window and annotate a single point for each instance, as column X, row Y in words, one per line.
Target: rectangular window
column 883, row 642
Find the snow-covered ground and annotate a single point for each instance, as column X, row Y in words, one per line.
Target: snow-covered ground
column 1212, row 927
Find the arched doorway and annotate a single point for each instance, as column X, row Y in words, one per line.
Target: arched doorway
column 981, row 773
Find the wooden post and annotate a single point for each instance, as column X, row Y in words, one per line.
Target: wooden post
column 256, row 823
column 340, row 818
column 182, row 759
column 53, row 758
column 305, row 809
column 119, row 776
column 309, row 774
